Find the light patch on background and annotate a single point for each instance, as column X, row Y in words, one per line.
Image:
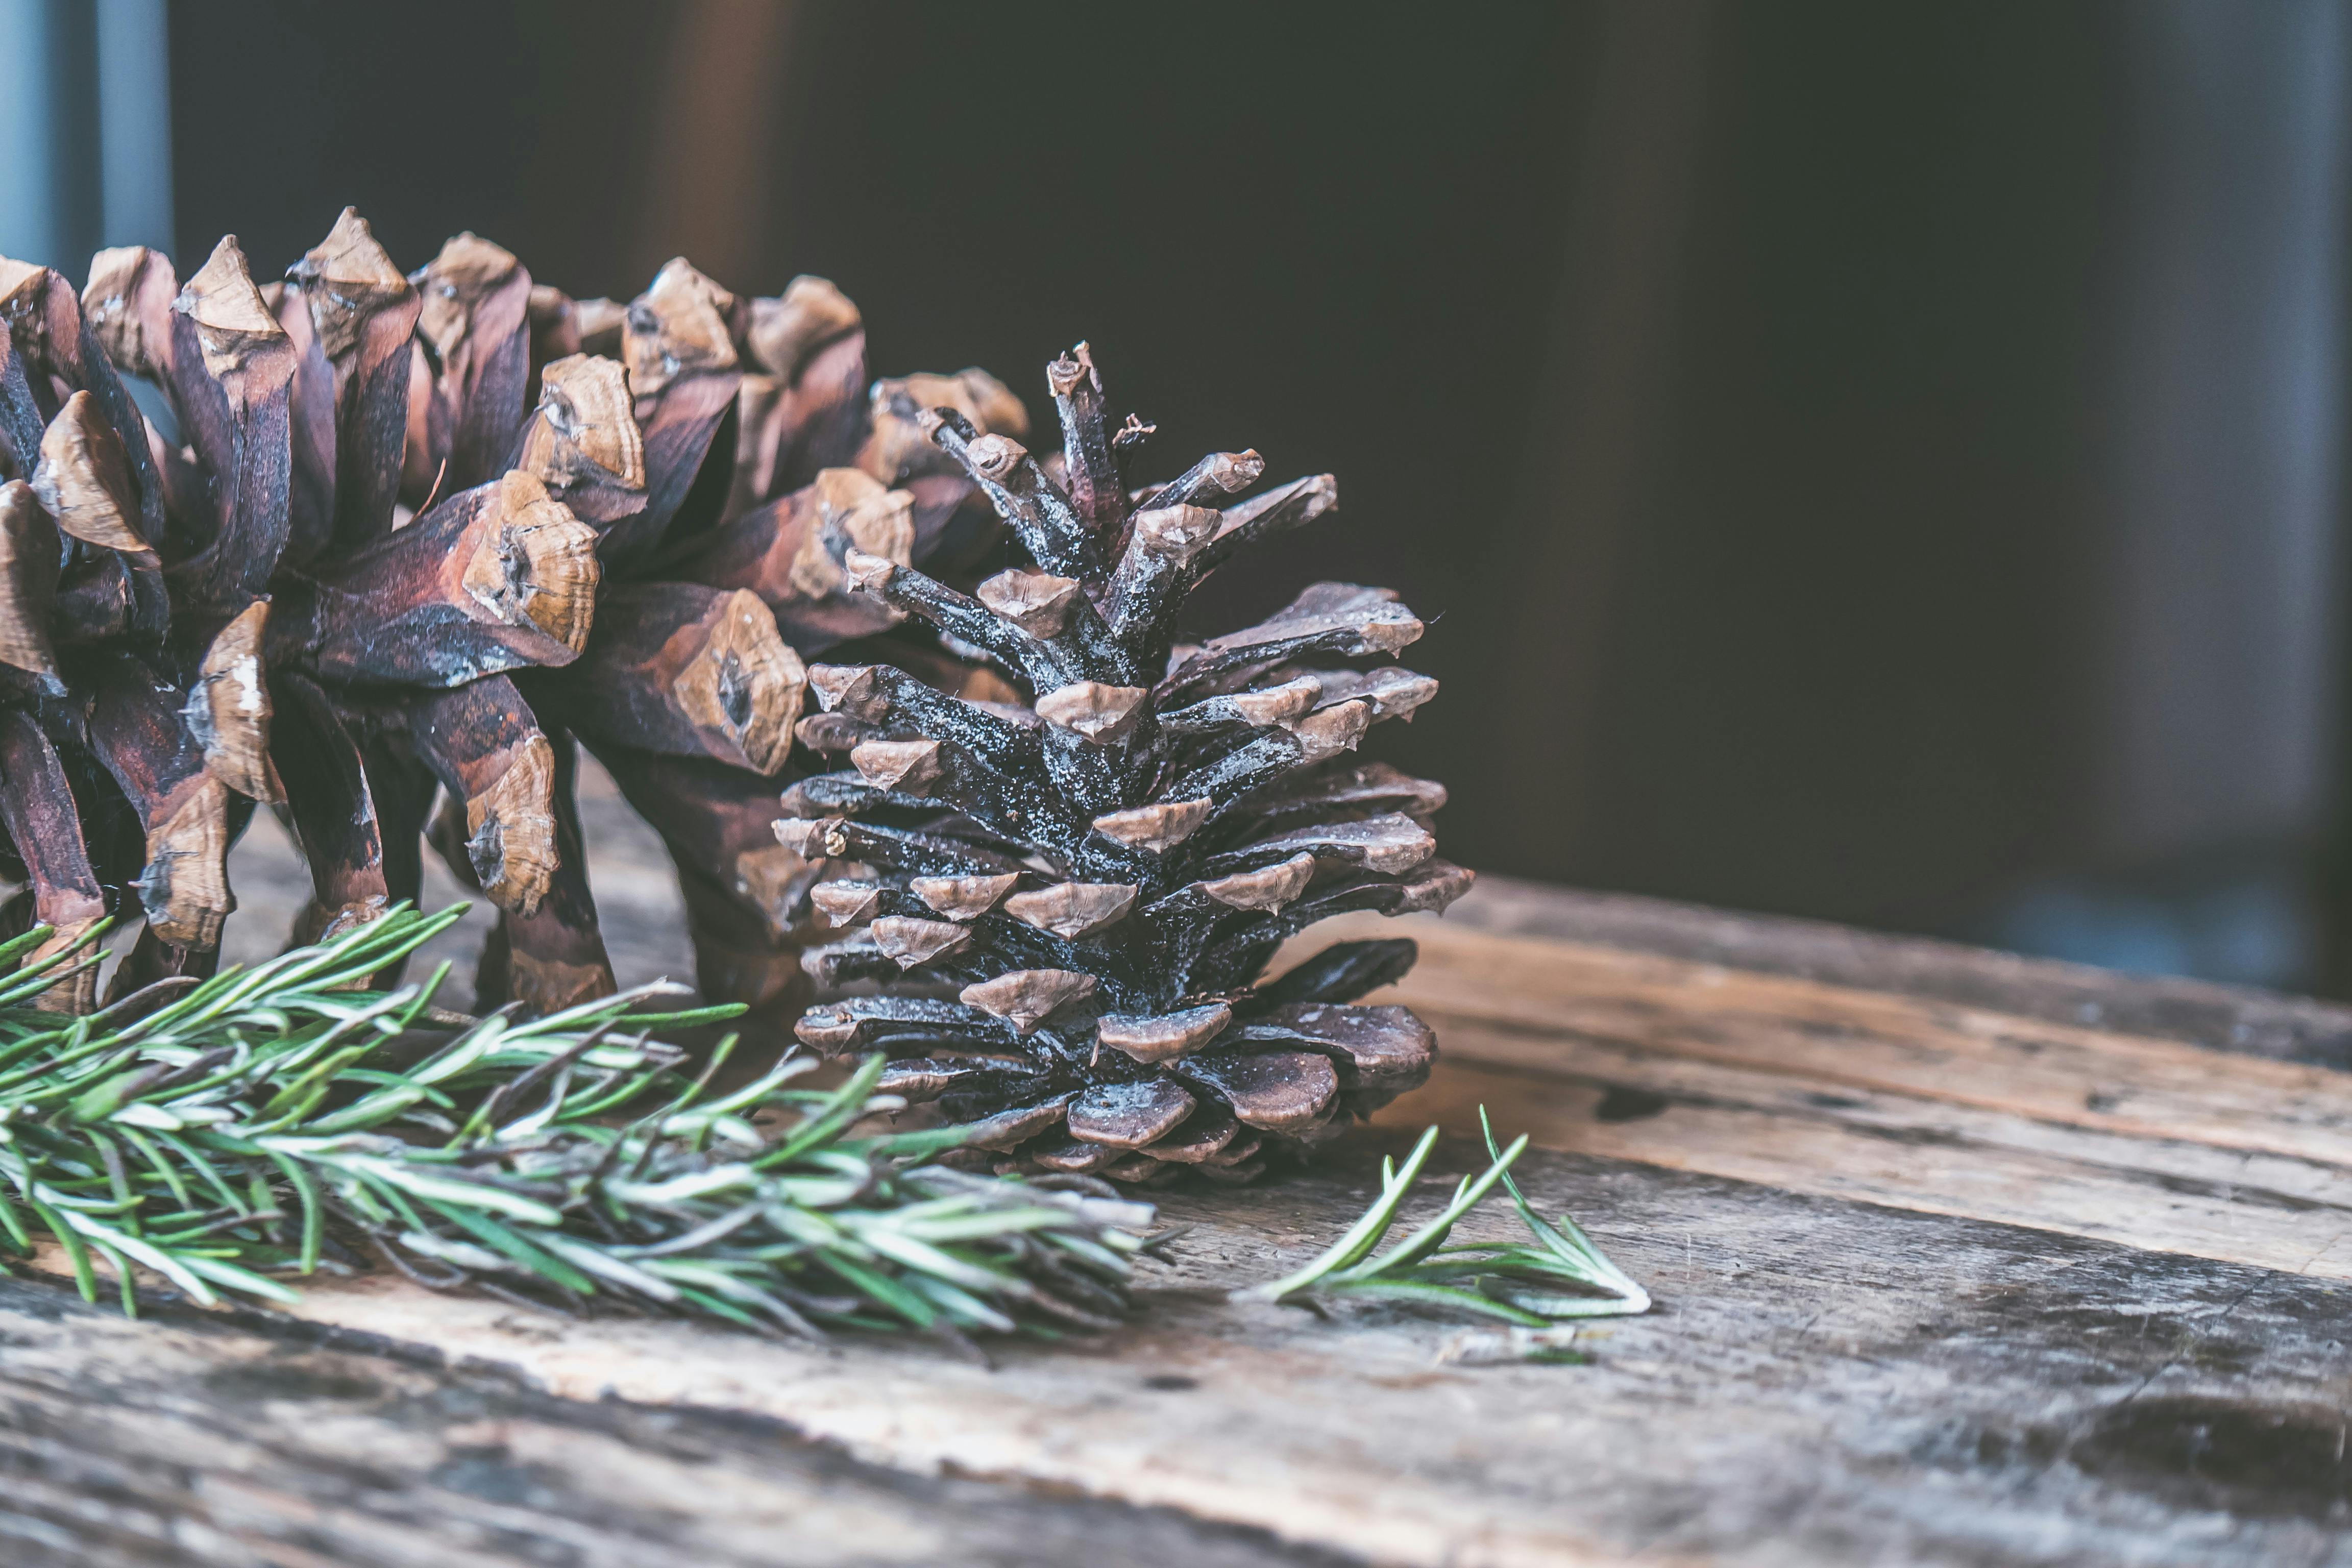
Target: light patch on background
column 86, row 116
column 28, row 208
column 134, row 120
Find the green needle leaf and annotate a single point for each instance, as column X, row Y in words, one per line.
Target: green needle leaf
column 1362, row 1237
column 187, row 1141
column 1516, row 1282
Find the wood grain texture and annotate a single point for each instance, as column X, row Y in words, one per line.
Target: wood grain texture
column 2226, row 1018
column 137, row 1443
column 1824, row 1382
column 1946, row 1274
column 1913, row 1102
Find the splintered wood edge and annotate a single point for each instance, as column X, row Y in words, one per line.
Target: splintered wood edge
column 1738, row 1387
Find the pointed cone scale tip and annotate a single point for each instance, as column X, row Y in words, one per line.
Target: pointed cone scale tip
column 676, row 326
column 222, row 298
column 350, row 258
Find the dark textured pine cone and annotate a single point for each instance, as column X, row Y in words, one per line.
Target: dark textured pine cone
column 422, row 532
column 1068, row 901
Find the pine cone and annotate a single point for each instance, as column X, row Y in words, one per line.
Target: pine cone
column 1069, row 901
column 425, row 530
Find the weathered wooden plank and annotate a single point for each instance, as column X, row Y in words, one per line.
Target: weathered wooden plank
column 2224, row 1018
column 1915, row 1155
column 1824, row 1382
column 2136, row 1086
column 129, row 1444
column 1921, row 1103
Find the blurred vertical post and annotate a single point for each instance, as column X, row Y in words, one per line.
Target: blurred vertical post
column 134, row 120
column 27, row 223
column 85, row 115
column 713, row 140
column 2219, row 562
column 2229, row 417
column 48, row 123
column 1597, row 427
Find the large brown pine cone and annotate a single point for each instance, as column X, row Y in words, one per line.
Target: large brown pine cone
column 1063, row 905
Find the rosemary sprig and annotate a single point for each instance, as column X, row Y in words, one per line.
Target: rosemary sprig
column 1560, row 1277
column 268, row 1122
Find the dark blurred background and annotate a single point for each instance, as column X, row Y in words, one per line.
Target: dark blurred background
column 1869, row 462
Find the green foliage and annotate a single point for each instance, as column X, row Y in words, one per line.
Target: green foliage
column 269, row 1123
column 1560, row 1278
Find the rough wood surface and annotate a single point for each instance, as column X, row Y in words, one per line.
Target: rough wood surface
column 1916, row 1102
column 1824, row 1382
column 136, row 1444
column 2225, row 1017
column 1946, row 1274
